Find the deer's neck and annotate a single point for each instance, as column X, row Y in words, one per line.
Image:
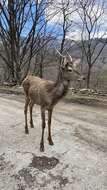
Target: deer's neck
column 60, row 88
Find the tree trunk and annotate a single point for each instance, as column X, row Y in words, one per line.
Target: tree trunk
column 41, row 65
column 18, row 75
column 88, row 77
column 11, row 35
column 11, row 75
column 41, row 70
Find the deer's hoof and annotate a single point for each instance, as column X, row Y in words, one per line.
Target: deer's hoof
column 32, row 126
column 51, row 143
column 41, row 148
column 26, row 132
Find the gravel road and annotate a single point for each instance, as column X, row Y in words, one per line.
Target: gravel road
column 77, row 161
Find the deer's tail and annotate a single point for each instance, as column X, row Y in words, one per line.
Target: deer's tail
column 26, row 86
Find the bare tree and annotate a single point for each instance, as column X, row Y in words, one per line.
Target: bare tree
column 63, row 10
column 91, row 13
column 21, row 29
column 42, row 56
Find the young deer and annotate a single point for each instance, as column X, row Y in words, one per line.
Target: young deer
column 46, row 94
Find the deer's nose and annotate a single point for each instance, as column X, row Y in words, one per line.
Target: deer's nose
column 81, row 78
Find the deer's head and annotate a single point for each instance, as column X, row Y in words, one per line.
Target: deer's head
column 68, row 67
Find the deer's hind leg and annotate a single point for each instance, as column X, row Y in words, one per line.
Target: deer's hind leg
column 25, row 112
column 43, row 129
column 49, row 127
column 31, row 104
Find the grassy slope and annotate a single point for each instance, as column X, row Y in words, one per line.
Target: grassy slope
column 87, row 100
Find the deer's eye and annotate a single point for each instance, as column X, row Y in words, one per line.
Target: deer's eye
column 69, row 69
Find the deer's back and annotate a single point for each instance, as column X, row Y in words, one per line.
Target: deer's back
column 38, row 90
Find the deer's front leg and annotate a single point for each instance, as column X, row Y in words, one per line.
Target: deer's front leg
column 49, row 127
column 25, row 112
column 43, row 129
column 31, row 104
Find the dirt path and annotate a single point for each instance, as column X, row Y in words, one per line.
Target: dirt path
column 77, row 161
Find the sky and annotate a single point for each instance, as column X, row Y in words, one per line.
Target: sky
column 74, row 32
column 55, row 23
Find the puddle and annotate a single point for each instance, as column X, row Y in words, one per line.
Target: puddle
column 44, row 162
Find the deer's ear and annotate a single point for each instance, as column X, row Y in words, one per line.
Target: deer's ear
column 70, row 57
column 76, row 63
column 63, row 62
